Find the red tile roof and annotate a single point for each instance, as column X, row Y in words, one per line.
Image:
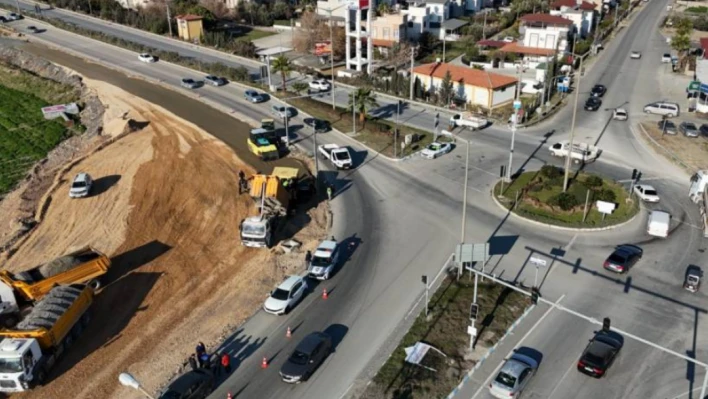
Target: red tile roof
column 546, row 19
column 584, row 5
column 383, row 43
column 520, row 49
column 704, row 46
column 492, row 43
column 189, row 17
column 469, row 76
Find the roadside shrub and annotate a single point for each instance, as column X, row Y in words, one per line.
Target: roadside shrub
column 556, row 181
column 606, row 195
column 564, row 201
column 593, row 181
column 536, row 188
column 551, row 171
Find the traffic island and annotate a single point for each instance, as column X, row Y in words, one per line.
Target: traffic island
column 444, row 329
column 538, row 196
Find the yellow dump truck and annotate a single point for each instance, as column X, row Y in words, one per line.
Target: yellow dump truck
column 29, row 350
column 264, row 141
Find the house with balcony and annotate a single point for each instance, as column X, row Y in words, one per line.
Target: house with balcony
column 581, row 12
column 546, row 31
column 388, row 29
column 474, row 87
column 357, row 28
column 427, row 16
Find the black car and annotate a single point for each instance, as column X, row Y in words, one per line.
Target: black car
column 195, row 384
column 598, row 91
column 593, row 104
column 703, row 130
column 320, row 126
column 307, row 357
column 600, row 353
column 623, row 258
column 3, row 19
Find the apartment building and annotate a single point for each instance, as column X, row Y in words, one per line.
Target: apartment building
column 581, row 12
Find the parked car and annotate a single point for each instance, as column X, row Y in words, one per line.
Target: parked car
column 190, row 83
column 600, row 353
column 508, row 39
column 620, row 114
column 33, row 29
column 308, row 355
column 635, row 55
column 667, row 127
column 646, row 193
column 703, row 130
column 623, row 258
column 436, row 149
column 81, row 186
column 13, row 16
column 320, row 85
column 692, row 279
column 282, row 111
column 320, row 125
column 145, row 57
column 598, row 91
column 286, row 296
column 215, row 80
column 194, row 384
column 253, row 96
column 593, row 104
column 513, row 377
column 324, row 260
column 666, row 58
column 688, row 129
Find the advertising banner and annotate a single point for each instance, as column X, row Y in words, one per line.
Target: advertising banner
column 323, row 48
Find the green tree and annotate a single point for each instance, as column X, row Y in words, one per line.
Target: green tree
column 681, row 43
column 282, row 65
column 299, row 87
column 383, row 9
column 361, row 101
column 446, row 89
column 684, row 26
column 244, row 47
column 281, row 10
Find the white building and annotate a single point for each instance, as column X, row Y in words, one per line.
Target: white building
column 546, row 31
column 427, row 16
column 357, row 26
column 581, row 12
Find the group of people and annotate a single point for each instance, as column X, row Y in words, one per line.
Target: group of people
column 201, row 359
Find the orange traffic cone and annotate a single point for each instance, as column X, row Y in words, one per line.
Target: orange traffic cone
column 324, row 293
column 288, row 333
column 264, row 363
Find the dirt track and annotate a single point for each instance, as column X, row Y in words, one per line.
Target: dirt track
column 167, row 210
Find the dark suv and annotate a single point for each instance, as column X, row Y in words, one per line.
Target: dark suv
column 600, row 353
column 195, row 384
column 308, row 355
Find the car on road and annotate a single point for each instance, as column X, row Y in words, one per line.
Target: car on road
column 593, row 104
column 600, row 353
column 3, row 19
column 253, row 96
column 324, row 260
column 286, row 295
column 635, row 55
column 320, row 125
column 191, row 83
column 663, row 108
column 215, row 80
column 598, row 91
column 623, row 258
column 703, row 130
column 194, row 384
column 513, row 376
column 646, row 193
column 320, row 84
column 13, row 16
column 667, row 127
column 81, row 186
column 689, row 129
column 620, row 114
column 145, row 57
column 308, row 355
column 33, row 29
column 282, row 111
column 692, row 278
column 436, row 149
column 666, row 58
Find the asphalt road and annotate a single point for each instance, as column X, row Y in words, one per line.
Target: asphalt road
column 407, row 218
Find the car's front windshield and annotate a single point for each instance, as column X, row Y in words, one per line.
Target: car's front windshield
column 298, row 358
column 279, row 294
column 506, row 380
column 319, row 261
column 78, row 184
column 254, row 229
column 10, row 365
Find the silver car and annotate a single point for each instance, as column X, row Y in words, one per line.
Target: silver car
column 191, row 83
column 667, row 127
column 513, row 377
column 688, row 129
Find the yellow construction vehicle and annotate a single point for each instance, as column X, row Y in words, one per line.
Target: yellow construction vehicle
column 264, row 142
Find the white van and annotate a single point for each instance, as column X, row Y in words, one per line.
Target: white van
column 658, row 224
column 663, row 108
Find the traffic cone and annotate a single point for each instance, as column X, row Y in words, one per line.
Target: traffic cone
column 324, row 293
column 264, row 363
column 288, row 333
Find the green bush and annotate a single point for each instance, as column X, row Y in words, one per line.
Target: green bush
column 551, row 171
column 536, row 188
column 606, row 195
column 593, row 181
column 565, row 201
column 551, row 183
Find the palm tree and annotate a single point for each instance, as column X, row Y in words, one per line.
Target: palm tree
column 362, row 100
column 282, row 65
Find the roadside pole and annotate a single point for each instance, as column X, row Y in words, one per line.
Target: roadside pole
column 395, row 132
column 314, row 152
column 572, row 128
column 354, row 112
column 270, row 82
column 167, row 7
column 517, row 107
column 331, row 55
column 411, row 73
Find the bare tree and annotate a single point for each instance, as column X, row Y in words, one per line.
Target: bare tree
column 217, row 7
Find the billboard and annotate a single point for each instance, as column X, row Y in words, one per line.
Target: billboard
column 359, row 4
column 323, row 48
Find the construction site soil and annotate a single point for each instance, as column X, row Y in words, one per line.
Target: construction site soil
column 166, row 209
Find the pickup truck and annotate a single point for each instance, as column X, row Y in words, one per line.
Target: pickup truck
column 581, row 153
column 339, row 156
column 473, row 122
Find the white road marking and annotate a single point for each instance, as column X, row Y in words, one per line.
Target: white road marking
column 562, row 378
column 496, row 370
column 570, row 244
column 687, row 393
column 643, row 179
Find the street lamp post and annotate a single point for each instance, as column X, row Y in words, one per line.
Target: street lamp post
column 331, row 48
column 513, row 126
column 126, row 379
column 354, row 112
column 572, row 128
column 464, row 193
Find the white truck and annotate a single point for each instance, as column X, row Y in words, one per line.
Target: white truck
column 581, row 153
column 658, row 224
column 468, row 120
column 699, row 195
column 338, row 156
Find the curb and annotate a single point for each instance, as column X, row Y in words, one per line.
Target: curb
column 553, row 226
column 491, row 350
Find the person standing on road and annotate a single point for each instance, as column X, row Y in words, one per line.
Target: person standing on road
column 200, row 350
column 226, row 363
column 330, row 191
column 308, row 259
column 241, row 182
column 193, row 362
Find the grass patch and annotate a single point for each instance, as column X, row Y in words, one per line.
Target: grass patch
column 445, row 330
column 697, row 10
column 255, row 34
column 452, row 51
column 48, row 90
column 536, row 193
column 375, row 133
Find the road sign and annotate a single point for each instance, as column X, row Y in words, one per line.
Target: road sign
column 471, row 330
column 517, row 104
column 480, row 252
column 538, row 261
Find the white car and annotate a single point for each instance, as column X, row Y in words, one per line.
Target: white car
column 253, row 96
column 81, row 186
column 508, row 39
column 513, row 377
column 435, row 150
column 324, row 260
column 145, row 57
column 635, row 55
column 13, row 16
column 620, row 114
column 320, row 84
column 666, row 58
column 286, row 296
column 282, row 111
column 646, row 193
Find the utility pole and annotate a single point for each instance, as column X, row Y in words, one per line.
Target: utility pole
column 17, row 4
column 354, row 112
column 395, row 132
column 314, row 152
column 331, row 55
column 464, row 197
column 90, row 10
column 442, row 27
column 513, row 126
column 169, row 19
column 411, row 73
column 572, row 128
column 617, row 6
column 484, row 26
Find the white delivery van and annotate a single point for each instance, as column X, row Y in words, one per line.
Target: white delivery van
column 658, row 224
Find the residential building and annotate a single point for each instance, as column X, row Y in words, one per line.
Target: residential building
column 581, row 12
column 388, row 29
column 546, row 31
column 473, row 86
column 337, row 7
column 189, row 27
column 427, row 17
column 357, row 26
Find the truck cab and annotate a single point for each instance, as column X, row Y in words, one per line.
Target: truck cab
column 257, row 231
column 20, row 364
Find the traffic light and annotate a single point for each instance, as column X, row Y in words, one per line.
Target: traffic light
column 634, row 174
column 534, row 295
column 473, row 311
column 400, row 105
column 606, row 324
column 639, row 176
column 424, row 280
